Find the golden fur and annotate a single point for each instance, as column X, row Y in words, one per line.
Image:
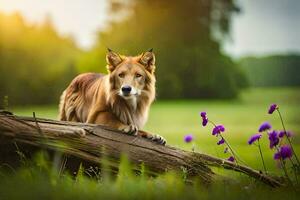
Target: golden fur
column 100, row 99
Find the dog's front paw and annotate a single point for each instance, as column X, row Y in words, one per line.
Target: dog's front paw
column 129, row 129
column 158, row 139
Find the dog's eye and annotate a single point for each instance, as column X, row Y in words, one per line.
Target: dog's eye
column 138, row 75
column 121, row 75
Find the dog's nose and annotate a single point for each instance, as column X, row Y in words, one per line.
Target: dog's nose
column 126, row 89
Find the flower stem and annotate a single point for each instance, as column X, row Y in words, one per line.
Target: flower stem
column 231, row 150
column 287, row 136
column 262, row 158
column 294, row 170
column 283, row 167
column 285, row 171
column 212, row 123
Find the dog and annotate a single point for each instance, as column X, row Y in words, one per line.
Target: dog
column 121, row 99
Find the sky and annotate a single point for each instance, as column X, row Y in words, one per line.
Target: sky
column 263, row 26
column 80, row 18
column 266, row 27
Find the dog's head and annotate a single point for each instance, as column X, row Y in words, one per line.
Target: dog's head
column 131, row 77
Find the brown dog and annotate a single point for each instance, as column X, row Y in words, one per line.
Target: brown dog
column 120, row 99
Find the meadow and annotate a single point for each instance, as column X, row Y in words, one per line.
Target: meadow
column 241, row 118
column 173, row 120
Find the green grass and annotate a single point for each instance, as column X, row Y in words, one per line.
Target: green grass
column 242, row 117
column 39, row 181
column 174, row 119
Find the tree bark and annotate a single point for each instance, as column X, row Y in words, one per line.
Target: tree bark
column 91, row 143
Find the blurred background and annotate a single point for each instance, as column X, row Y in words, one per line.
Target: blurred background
column 222, row 46
column 229, row 58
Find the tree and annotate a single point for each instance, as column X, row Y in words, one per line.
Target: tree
column 186, row 37
column 35, row 62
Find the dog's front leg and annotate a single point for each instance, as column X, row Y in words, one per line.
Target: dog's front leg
column 154, row 137
column 108, row 119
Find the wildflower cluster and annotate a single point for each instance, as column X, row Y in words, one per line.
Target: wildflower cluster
column 275, row 137
column 276, row 141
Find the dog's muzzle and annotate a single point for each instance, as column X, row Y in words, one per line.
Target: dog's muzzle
column 126, row 90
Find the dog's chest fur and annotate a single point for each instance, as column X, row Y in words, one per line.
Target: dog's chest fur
column 129, row 112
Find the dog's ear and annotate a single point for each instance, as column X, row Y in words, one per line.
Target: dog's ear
column 148, row 60
column 113, row 60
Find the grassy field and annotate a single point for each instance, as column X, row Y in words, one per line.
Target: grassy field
column 241, row 117
column 173, row 120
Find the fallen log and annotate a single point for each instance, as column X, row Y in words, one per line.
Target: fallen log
column 90, row 143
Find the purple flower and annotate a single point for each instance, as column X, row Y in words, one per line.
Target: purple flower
column 265, row 126
column 254, row 137
column 284, row 153
column 277, row 156
column 281, row 134
column 203, row 114
column 221, row 141
column 272, row 108
column 231, row 159
column 274, row 139
column 204, row 121
column 218, row 129
column 188, row 138
column 204, row 118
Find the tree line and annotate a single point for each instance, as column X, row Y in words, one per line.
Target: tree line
column 35, row 62
column 273, row 70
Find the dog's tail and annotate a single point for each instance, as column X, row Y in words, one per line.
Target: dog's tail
column 62, row 113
